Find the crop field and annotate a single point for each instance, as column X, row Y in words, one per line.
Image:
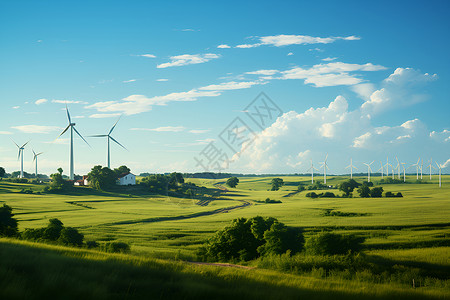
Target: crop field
column 412, row 231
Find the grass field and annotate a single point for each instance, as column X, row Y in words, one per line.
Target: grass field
column 412, row 232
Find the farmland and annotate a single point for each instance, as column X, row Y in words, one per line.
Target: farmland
column 410, row 232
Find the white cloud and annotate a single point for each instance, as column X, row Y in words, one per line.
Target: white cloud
column 188, row 59
column 290, row 53
column 329, row 58
column 223, row 46
column 263, row 72
column 131, row 80
column 148, row 55
column 5, row 132
column 287, row 40
column 36, row 128
column 330, row 74
column 162, row 129
column 16, row 107
column 162, row 79
column 198, row 131
column 102, row 116
column 40, row 101
column 232, row 85
column 69, row 102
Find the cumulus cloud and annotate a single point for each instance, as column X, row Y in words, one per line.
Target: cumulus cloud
column 162, row 129
column 148, row 55
column 331, row 74
column 36, row 128
column 5, row 132
column 287, row 40
column 329, row 58
column 162, row 79
column 102, row 116
column 263, row 72
column 198, row 131
column 188, row 59
column 131, row 80
column 223, row 46
column 40, row 101
column 232, row 85
column 69, row 102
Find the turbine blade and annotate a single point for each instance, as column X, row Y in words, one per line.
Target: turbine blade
column 438, row 165
column 33, row 152
column 98, row 135
column 81, row 136
column 68, row 115
column 114, row 126
column 24, row 144
column 39, row 153
column 118, row 143
column 64, row 131
column 326, row 157
column 15, row 143
column 18, row 155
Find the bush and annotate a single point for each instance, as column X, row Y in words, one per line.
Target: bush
column 327, row 195
column 399, row 194
column 311, row 195
column 376, row 192
column 300, row 188
column 232, row 182
column 92, row 244
column 71, row 237
column 326, row 243
column 116, row 247
column 348, row 186
column 364, row 191
column 8, row 224
column 268, row 200
column 247, row 239
column 392, row 195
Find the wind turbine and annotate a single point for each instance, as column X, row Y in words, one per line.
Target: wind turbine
column 387, row 166
column 417, row 168
column 325, row 167
column 404, row 171
column 312, row 172
column 398, row 167
column 35, row 159
column 20, row 156
column 381, row 169
column 109, row 137
column 369, row 169
column 351, row 168
column 440, row 169
column 421, row 169
column 72, row 129
column 431, row 166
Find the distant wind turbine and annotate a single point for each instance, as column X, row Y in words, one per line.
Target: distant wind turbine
column 440, row 170
column 20, row 156
column 369, row 169
column 417, row 168
column 381, row 169
column 398, row 167
column 431, row 166
column 312, row 171
column 325, row 167
column 109, row 137
column 421, row 169
column 72, row 129
column 404, row 171
column 351, row 168
column 387, row 166
column 35, row 157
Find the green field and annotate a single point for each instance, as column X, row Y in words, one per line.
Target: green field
column 412, row 232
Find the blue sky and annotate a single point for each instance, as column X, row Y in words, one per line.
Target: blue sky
column 352, row 79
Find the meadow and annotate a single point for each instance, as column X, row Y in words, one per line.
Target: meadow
column 406, row 238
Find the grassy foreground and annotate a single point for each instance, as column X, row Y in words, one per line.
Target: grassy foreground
column 37, row 271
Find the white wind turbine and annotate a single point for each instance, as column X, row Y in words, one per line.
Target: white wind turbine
column 440, row 171
column 431, row 166
column 109, row 137
column 421, row 169
column 351, row 168
column 404, row 171
column 35, row 158
column 312, row 171
column 325, row 167
column 381, row 169
column 417, row 168
column 72, row 129
column 20, row 156
column 398, row 167
column 387, row 166
column 369, row 169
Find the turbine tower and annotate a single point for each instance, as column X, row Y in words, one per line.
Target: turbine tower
column 381, row 169
column 387, row 166
column 72, row 129
column 351, row 168
column 417, row 168
column 398, row 167
column 20, row 156
column 369, row 169
column 35, row 159
column 325, row 167
column 404, row 171
column 431, row 166
column 440, row 170
column 421, row 169
column 312, row 172
column 109, row 137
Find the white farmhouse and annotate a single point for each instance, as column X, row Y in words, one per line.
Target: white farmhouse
column 126, row 179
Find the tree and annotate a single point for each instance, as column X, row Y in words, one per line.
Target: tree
column 70, row 236
column 121, row 170
column 348, row 186
column 376, row 192
column 175, row 179
column 2, row 172
column 156, row 183
column 53, row 230
column 8, row 224
column 364, row 191
column 276, row 184
column 60, row 171
column 280, row 238
column 101, row 177
column 327, row 243
column 232, row 182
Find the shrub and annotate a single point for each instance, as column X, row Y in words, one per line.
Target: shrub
column 300, row 188
column 364, row 191
column 326, row 243
column 8, row 224
column 232, row 182
column 368, row 183
column 70, row 236
column 92, row 244
column 268, row 200
column 327, row 195
column 376, row 192
column 392, row 195
column 399, row 194
column 116, row 247
column 311, row 195
column 53, row 230
column 348, row 186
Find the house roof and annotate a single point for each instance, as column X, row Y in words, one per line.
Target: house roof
column 124, row 174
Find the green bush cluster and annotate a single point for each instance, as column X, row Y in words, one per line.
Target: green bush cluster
column 246, row 239
column 115, row 247
column 366, row 192
column 326, row 243
column 268, row 200
column 393, row 195
column 320, row 195
column 8, row 224
column 55, row 232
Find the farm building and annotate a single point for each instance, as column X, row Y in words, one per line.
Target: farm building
column 82, row 182
column 126, row 179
